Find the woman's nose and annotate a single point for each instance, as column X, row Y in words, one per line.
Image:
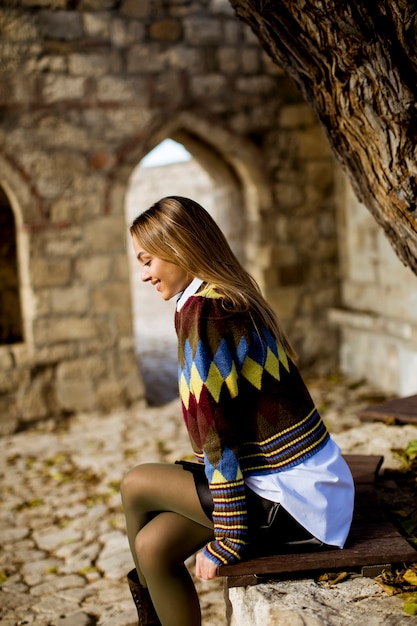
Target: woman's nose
column 145, row 275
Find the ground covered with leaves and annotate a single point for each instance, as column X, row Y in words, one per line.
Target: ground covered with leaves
column 397, row 490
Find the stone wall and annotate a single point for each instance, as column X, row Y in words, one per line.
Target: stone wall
column 85, row 94
column 378, row 312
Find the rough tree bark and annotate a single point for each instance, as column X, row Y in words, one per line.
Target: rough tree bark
column 355, row 62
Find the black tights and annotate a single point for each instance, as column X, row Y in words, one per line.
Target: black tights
column 165, row 525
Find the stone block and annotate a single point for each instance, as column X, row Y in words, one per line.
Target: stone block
column 48, row 331
column 105, row 234
column 9, row 410
column 94, row 269
column 210, row 86
column 165, row 30
column 60, row 87
column 64, row 25
column 53, row 131
column 111, row 296
column 88, row 64
column 37, row 400
column 304, row 602
column 256, row 85
column 250, row 61
column 144, row 59
column 56, row 353
column 202, row 30
column 25, row 88
column 124, row 322
column 76, row 394
column 169, row 89
column 91, row 367
column 70, row 300
column 232, row 32
column 50, row 273
column 13, row 380
column 132, row 8
column 124, row 33
column 110, row 395
column 97, row 24
column 64, row 242
column 110, row 88
column 229, row 62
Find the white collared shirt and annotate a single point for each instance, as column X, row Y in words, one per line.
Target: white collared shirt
column 188, row 291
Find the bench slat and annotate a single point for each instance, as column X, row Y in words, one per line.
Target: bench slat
column 373, row 539
column 403, row 410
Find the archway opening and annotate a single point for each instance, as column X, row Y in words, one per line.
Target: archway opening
column 194, row 170
column 11, row 327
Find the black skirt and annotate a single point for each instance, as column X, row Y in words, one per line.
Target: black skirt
column 272, row 530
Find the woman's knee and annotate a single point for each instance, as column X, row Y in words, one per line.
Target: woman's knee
column 135, row 484
column 148, row 548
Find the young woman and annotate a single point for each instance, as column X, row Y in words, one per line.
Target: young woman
column 268, row 476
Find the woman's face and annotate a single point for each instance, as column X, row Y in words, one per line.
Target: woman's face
column 166, row 277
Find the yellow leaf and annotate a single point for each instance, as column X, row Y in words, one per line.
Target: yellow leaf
column 410, row 576
column 389, row 589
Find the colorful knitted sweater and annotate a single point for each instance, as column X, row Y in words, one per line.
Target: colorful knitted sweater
column 246, row 408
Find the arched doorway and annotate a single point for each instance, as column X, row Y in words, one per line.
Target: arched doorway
column 11, row 328
column 171, row 169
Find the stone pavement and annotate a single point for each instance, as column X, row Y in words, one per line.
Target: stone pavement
column 64, row 553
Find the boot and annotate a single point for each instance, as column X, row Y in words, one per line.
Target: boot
column 146, row 613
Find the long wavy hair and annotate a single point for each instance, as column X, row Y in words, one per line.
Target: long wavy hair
column 181, row 231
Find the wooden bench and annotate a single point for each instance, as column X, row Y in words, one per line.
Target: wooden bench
column 373, row 540
column 398, row 410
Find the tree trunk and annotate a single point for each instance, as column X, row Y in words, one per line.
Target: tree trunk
column 356, row 64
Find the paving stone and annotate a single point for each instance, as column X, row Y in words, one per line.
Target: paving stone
column 52, row 539
column 76, row 619
column 8, row 535
column 56, row 584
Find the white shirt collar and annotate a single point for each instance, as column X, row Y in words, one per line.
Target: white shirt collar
column 189, row 291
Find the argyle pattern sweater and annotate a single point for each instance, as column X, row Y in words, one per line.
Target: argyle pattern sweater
column 246, row 409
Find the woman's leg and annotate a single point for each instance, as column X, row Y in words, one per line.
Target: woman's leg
column 165, row 524
column 162, row 547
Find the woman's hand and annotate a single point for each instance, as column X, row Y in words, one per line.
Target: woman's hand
column 204, row 567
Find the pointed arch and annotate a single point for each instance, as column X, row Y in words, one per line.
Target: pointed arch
column 23, row 205
column 11, row 326
column 236, row 166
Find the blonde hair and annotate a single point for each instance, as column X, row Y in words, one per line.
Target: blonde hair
column 181, row 231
